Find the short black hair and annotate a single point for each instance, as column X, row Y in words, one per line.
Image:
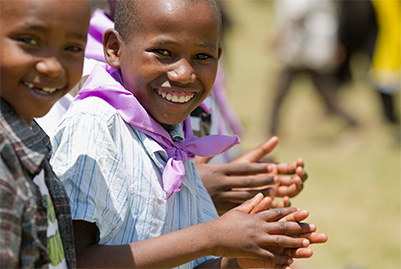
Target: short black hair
column 126, row 16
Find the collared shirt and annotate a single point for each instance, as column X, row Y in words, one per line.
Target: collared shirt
column 23, row 217
column 113, row 174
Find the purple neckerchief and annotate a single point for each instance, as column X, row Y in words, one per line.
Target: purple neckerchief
column 105, row 82
column 99, row 23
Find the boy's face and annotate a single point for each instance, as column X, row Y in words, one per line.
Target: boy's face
column 41, row 52
column 170, row 62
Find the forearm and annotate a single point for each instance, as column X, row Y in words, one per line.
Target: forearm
column 169, row 250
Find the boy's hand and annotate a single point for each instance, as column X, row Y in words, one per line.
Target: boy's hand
column 260, row 235
column 260, row 203
column 231, row 184
column 290, row 177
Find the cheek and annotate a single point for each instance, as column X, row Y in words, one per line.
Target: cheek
column 208, row 77
column 74, row 74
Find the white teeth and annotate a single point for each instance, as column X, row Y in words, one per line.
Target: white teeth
column 47, row 89
column 30, row 85
column 175, row 98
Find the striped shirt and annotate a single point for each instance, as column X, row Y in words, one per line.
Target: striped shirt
column 113, row 174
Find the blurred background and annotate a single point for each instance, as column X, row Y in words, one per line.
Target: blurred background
column 324, row 76
column 353, row 189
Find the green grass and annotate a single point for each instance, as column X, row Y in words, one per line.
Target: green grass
column 353, row 189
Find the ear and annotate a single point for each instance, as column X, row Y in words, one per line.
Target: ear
column 220, row 51
column 112, row 44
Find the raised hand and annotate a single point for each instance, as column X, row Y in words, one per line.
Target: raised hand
column 233, row 183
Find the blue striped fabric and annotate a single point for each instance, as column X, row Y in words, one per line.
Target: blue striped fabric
column 112, row 173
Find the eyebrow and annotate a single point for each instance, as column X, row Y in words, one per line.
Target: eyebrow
column 42, row 28
column 207, row 44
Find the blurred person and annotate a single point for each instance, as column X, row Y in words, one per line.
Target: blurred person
column 230, row 179
column 307, row 43
column 372, row 28
column 357, row 32
column 385, row 72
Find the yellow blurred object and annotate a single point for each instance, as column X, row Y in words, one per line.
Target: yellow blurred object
column 386, row 65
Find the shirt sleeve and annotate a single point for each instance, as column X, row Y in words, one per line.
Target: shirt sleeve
column 11, row 208
column 84, row 158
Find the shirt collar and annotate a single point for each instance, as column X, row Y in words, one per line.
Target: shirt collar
column 28, row 142
column 177, row 133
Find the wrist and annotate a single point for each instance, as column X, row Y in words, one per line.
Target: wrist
column 213, row 236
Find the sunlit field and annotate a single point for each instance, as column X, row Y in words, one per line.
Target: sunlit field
column 353, row 189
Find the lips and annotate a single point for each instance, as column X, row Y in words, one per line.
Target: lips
column 175, row 97
column 44, row 90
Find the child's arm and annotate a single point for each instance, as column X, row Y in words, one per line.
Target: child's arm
column 235, row 234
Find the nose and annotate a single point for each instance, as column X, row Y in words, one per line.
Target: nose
column 51, row 67
column 182, row 72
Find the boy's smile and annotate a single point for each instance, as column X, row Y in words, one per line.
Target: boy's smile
column 41, row 55
column 42, row 90
column 174, row 96
column 168, row 64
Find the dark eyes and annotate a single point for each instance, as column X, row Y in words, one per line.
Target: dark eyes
column 29, row 41
column 202, row 56
column 166, row 53
column 74, row 49
column 34, row 43
column 161, row 52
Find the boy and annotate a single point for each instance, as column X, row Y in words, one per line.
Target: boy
column 222, row 181
column 41, row 59
column 123, row 154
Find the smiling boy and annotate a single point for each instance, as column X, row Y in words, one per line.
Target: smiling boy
column 41, row 58
column 124, row 149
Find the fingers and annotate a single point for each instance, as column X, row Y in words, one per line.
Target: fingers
column 280, row 203
column 256, row 182
column 244, row 168
column 284, row 241
column 290, row 168
column 240, row 196
column 299, row 252
column 313, row 237
column 249, row 205
column 300, row 162
column 301, row 173
column 286, row 201
column 297, row 216
column 290, row 228
column 288, row 186
column 276, row 213
column 264, row 204
column 259, row 152
column 289, row 191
